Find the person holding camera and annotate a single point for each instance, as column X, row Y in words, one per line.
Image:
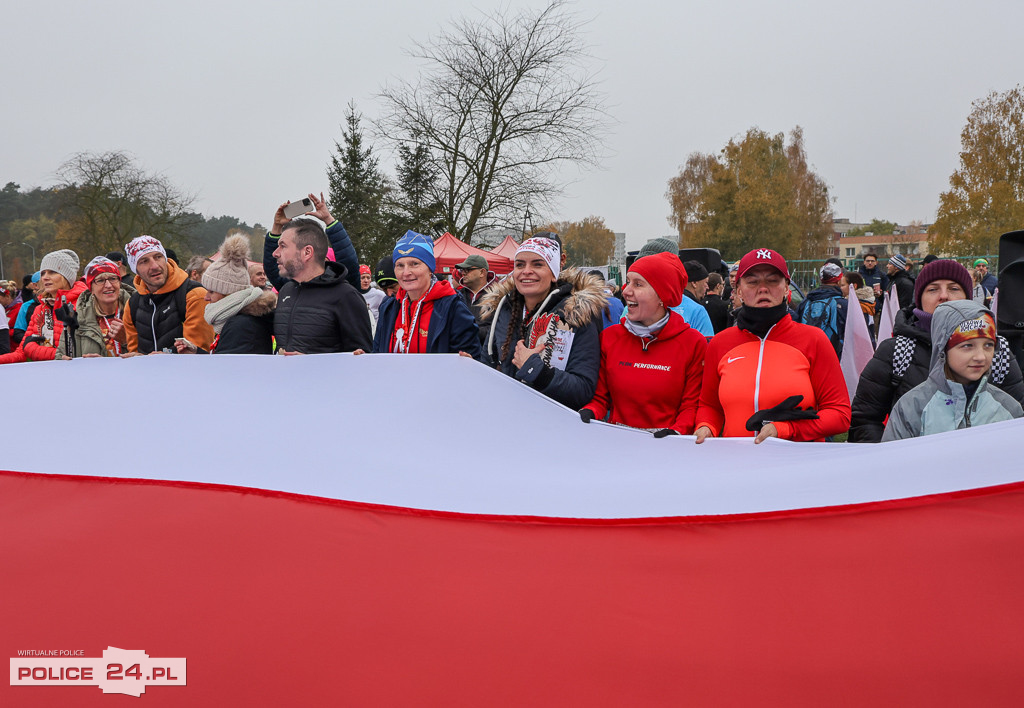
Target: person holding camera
column 319, row 308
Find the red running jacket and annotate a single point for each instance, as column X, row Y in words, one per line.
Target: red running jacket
column 745, row 374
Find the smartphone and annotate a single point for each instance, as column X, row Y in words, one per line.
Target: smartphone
column 299, row 206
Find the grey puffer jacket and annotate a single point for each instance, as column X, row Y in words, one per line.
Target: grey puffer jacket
column 939, row 405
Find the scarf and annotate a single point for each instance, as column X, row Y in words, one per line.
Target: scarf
column 758, row 320
column 645, row 332
column 218, row 313
column 924, row 320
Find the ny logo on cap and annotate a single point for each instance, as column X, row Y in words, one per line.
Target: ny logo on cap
column 764, row 253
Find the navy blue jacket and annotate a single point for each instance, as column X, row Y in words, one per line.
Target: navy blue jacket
column 575, row 292
column 451, row 330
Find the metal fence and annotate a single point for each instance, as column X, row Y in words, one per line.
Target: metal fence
column 805, row 273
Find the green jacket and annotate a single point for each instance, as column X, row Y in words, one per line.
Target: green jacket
column 88, row 336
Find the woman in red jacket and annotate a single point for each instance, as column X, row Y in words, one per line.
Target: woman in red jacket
column 45, row 337
column 651, row 363
column 769, row 376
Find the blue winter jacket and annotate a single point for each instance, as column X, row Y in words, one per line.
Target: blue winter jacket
column 451, row 330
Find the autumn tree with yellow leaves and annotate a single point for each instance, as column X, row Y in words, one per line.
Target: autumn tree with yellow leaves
column 758, row 191
column 986, row 193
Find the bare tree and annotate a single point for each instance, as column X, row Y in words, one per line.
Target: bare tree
column 109, row 200
column 504, row 102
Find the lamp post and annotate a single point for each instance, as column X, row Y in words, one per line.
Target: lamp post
column 33, row 254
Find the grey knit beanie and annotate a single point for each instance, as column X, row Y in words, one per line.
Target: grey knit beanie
column 230, row 273
column 64, row 261
column 659, row 245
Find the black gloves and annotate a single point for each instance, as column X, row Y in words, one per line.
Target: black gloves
column 787, row 410
column 665, row 432
column 586, row 415
column 66, row 314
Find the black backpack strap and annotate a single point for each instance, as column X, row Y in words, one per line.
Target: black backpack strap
column 1000, row 362
column 902, row 355
column 133, row 306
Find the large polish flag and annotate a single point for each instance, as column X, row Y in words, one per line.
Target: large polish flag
column 421, row 530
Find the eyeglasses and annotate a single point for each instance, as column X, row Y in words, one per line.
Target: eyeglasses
column 104, row 280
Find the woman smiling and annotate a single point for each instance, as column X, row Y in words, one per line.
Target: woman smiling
column 425, row 316
column 100, row 329
column 545, row 324
column 651, row 364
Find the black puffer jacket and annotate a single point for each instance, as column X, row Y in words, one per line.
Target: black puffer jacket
column 325, row 314
column 250, row 331
column 877, row 393
column 577, row 302
column 904, row 289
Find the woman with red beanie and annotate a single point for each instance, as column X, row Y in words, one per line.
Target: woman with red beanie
column 651, row 363
column 769, row 376
column 903, row 361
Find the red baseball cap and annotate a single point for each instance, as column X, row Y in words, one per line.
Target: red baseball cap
column 763, row 256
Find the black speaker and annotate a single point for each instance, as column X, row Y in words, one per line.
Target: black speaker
column 1010, row 307
column 710, row 258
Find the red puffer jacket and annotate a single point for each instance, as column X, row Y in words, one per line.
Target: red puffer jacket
column 44, row 331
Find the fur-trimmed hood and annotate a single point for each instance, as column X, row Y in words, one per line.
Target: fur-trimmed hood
column 582, row 294
column 263, row 305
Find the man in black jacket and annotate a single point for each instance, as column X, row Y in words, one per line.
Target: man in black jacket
column 318, row 309
column 898, row 276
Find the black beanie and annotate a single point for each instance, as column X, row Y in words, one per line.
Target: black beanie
column 695, row 271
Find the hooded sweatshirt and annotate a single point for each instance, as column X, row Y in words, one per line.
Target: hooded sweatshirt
column 939, row 405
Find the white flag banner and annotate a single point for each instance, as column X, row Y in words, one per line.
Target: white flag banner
column 857, row 349
column 888, row 315
column 994, row 303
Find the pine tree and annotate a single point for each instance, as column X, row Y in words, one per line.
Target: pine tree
column 416, row 204
column 357, row 192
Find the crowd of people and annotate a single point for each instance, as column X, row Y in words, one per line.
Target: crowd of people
column 676, row 351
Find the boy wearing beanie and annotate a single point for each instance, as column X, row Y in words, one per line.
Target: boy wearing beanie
column 957, row 393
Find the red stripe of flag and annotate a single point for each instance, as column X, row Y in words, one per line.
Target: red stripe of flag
column 278, row 599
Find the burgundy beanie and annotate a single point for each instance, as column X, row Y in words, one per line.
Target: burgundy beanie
column 666, row 275
column 942, row 269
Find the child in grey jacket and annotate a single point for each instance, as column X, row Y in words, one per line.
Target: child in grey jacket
column 957, row 393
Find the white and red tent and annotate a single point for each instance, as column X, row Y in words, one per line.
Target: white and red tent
column 450, row 251
column 297, row 551
column 507, row 248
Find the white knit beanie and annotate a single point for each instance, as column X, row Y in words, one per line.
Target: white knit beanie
column 64, row 261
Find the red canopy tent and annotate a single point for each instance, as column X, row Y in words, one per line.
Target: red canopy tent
column 449, row 251
column 507, row 248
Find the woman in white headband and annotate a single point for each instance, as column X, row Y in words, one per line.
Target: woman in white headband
column 544, row 324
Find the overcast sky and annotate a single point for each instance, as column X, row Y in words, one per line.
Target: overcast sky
column 240, row 102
